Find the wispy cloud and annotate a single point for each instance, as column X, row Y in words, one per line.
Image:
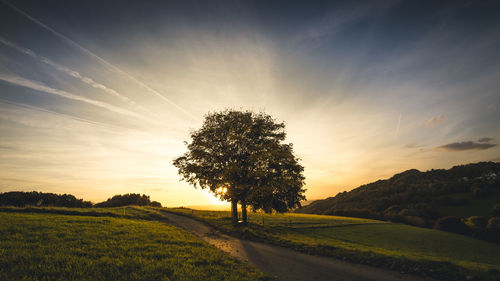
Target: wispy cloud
column 16, row 80
column 99, row 59
column 466, row 145
column 64, row 115
column 338, row 19
column 434, row 121
column 483, row 140
column 399, row 124
column 68, row 71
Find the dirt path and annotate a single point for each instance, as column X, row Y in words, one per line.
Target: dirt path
column 284, row 263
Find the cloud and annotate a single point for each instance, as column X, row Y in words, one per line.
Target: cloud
column 483, row 140
column 434, row 121
column 99, row 59
column 64, row 115
column 412, row 145
column 399, row 124
column 466, row 145
column 67, row 70
column 16, row 80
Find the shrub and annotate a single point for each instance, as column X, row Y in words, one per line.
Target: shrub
column 477, row 222
column 493, row 223
column 452, row 224
column 126, row 200
column 155, row 204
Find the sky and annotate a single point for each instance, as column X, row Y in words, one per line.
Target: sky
column 98, row 97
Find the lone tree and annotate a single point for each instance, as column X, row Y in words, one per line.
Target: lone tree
column 240, row 156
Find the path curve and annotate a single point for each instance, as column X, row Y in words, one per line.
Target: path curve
column 286, row 264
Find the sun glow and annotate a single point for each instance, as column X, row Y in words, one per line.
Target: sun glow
column 215, row 199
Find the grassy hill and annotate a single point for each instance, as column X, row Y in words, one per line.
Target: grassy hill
column 420, row 198
column 427, row 252
column 99, row 244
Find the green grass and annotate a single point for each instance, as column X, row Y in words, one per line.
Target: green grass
column 48, row 246
column 131, row 212
column 397, row 246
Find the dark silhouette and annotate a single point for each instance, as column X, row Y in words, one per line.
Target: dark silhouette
column 240, row 157
column 452, row 224
column 41, row 199
column 128, row 199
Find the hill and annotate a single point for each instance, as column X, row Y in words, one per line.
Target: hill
column 422, row 198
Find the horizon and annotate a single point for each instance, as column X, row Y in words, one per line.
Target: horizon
column 98, row 106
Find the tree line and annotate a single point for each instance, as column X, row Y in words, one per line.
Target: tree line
column 42, row 199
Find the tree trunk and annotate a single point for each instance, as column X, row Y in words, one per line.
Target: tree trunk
column 234, row 211
column 244, row 213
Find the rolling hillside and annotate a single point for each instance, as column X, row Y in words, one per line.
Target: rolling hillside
column 421, row 198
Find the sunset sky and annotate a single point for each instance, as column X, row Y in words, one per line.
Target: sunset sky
column 97, row 97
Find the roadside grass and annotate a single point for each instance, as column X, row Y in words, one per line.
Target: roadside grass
column 400, row 247
column 48, row 246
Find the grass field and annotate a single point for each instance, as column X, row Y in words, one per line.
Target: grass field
column 49, row 246
column 396, row 246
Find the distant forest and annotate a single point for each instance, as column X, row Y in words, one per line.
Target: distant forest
column 41, row 199
column 464, row 199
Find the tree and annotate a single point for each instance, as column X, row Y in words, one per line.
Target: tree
column 240, row 157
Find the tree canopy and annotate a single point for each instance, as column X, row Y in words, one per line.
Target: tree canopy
column 127, row 200
column 240, row 156
column 22, row 199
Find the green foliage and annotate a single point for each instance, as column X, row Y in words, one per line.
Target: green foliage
column 42, row 246
column 21, row 199
column 442, row 255
column 240, row 156
column 477, row 222
column 127, row 200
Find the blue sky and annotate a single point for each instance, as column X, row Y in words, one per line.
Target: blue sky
column 96, row 98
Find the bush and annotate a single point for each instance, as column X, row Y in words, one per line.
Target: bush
column 155, row 204
column 452, row 224
column 126, row 200
column 493, row 223
column 477, row 222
